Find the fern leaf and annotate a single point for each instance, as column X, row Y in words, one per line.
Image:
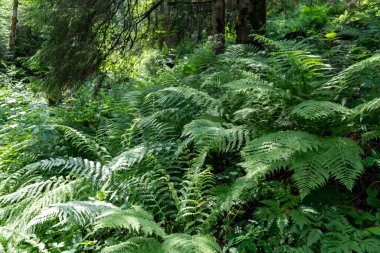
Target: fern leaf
column 277, row 147
column 135, row 245
column 367, row 109
column 135, row 220
column 82, row 212
column 77, row 165
column 181, row 97
column 318, row 110
column 309, row 171
column 211, row 135
column 371, row 135
column 342, row 158
column 182, row 243
column 84, row 142
column 127, row 158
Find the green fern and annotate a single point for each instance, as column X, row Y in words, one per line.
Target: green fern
column 274, row 149
column 371, row 135
column 352, row 76
column 212, row 135
column 367, row 109
column 196, row 199
column 84, row 143
column 313, row 160
column 319, row 110
column 135, row 245
column 182, row 243
column 83, row 213
column 11, row 241
column 134, row 219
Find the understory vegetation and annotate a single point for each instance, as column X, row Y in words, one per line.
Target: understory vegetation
column 270, row 146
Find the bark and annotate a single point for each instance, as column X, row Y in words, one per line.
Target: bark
column 251, row 19
column 161, row 13
column 218, row 24
column 12, row 37
column 259, row 16
column 243, row 26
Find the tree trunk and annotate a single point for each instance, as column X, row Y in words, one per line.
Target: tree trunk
column 251, row 19
column 12, row 38
column 161, row 13
column 218, row 24
column 259, row 16
column 243, row 26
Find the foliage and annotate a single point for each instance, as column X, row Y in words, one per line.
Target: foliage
column 265, row 148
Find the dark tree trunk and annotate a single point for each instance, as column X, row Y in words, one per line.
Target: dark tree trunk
column 218, row 24
column 259, row 16
column 12, row 37
column 251, row 19
column 243, row 26
column 161, row 13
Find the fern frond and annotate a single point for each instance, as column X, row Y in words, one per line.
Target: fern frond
column 252, row 84
column 196, row 199
column 367, row 108
column 183, row 96
column 135, row 245
column 242, row 50
column 81, row 212
column 371, row 135
column 313, row 160
column 182, row 243
column 343, row 160
column 76, row 165
column 216, row 79
column 208, row 134
column 84, row 143
column 14, row 238
column 282, row 45
column 353, row 76
column 309, row 172
column 278, row 147
column 55, row 191
column 201, row 59
column 134, row 219
column 30, row 191
column 318, row 110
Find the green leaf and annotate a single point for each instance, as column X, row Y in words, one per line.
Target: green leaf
column 374, row 230
column 282, row 222
column 299, row 218
column 314, row 236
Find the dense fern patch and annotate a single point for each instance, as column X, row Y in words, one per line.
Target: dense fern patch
column 267, row 148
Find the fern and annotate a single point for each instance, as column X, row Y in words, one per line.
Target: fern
column 84, row 143
column 83, row 213
column 196, row 197
column 211, row 135
column 13, row 240
column 272, row 149
column 134, row 219
column 135, row 245
column 172, row 244
column 371, row 135
column 76, row 165
column 343, row 160
column 185, row 96
column 30, row 191
column 313, row 160
column 182, row 243
column 319, row 110
column 367, row 109
column 350, row 77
